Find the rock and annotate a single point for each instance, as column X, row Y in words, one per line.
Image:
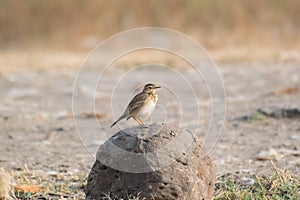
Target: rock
column 270, row 154
column 272, row 112
column 157, row 161
column 247, row 181
column 280, row 112
column 289, row 152
column 286, row 90
column 296, row 136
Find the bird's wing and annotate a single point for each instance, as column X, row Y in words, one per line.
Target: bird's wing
column 136, row 103
column 119, row 119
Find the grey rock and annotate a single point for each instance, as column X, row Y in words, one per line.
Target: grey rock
column 247, row 181
column 270, row 154
column 295, row 137
column 157, row 161
column 280, row 112
column 272, row 112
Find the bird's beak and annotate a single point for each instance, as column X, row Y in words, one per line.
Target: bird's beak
column 156, row 87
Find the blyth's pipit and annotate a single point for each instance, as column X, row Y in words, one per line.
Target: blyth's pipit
column 141, row 106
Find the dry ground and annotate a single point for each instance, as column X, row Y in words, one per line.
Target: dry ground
column 38, row 134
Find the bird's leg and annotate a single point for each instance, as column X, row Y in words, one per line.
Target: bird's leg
column 141, row 122
column 137, row 120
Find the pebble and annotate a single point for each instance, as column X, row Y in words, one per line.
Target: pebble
column 172, row 133
column 247, row 181
column 295, row 137
column 63, row 114
column 268, row 155
column 16, row 93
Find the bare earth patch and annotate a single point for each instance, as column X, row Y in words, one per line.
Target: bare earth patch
column 39, row 145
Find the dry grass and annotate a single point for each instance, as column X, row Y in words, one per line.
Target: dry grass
column 280, row 185
column 56, row 34
column 34, row 60
column 76, row 25
column 60, row 60
column 56, row 186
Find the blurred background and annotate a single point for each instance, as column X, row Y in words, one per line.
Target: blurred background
column 230, row 30
column 255, row 43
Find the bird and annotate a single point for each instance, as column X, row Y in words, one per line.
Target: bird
column 141, row 106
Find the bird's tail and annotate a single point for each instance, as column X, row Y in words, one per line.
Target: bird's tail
column 120, row 118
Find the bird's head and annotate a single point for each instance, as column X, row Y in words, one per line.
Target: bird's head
column 150, row 88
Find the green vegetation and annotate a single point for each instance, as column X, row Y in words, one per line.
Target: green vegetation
column 258, row 116
column 280, row 185
column 277, row 186
column 69, row 186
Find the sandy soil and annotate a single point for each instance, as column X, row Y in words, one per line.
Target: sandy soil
column 37, row 128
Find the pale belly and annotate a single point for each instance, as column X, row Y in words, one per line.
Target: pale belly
column 146, row 110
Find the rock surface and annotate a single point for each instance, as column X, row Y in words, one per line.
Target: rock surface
column 157, row 161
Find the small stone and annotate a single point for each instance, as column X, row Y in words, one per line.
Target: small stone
column 52, row 173
column 59, row 129
column 42, row 116
column 247, row 181
column 289, row 152
column 295, row 137
column 172, row 133
column 64, row 114
column 268, row 155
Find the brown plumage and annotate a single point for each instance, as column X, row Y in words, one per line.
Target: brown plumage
column 141, row 106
